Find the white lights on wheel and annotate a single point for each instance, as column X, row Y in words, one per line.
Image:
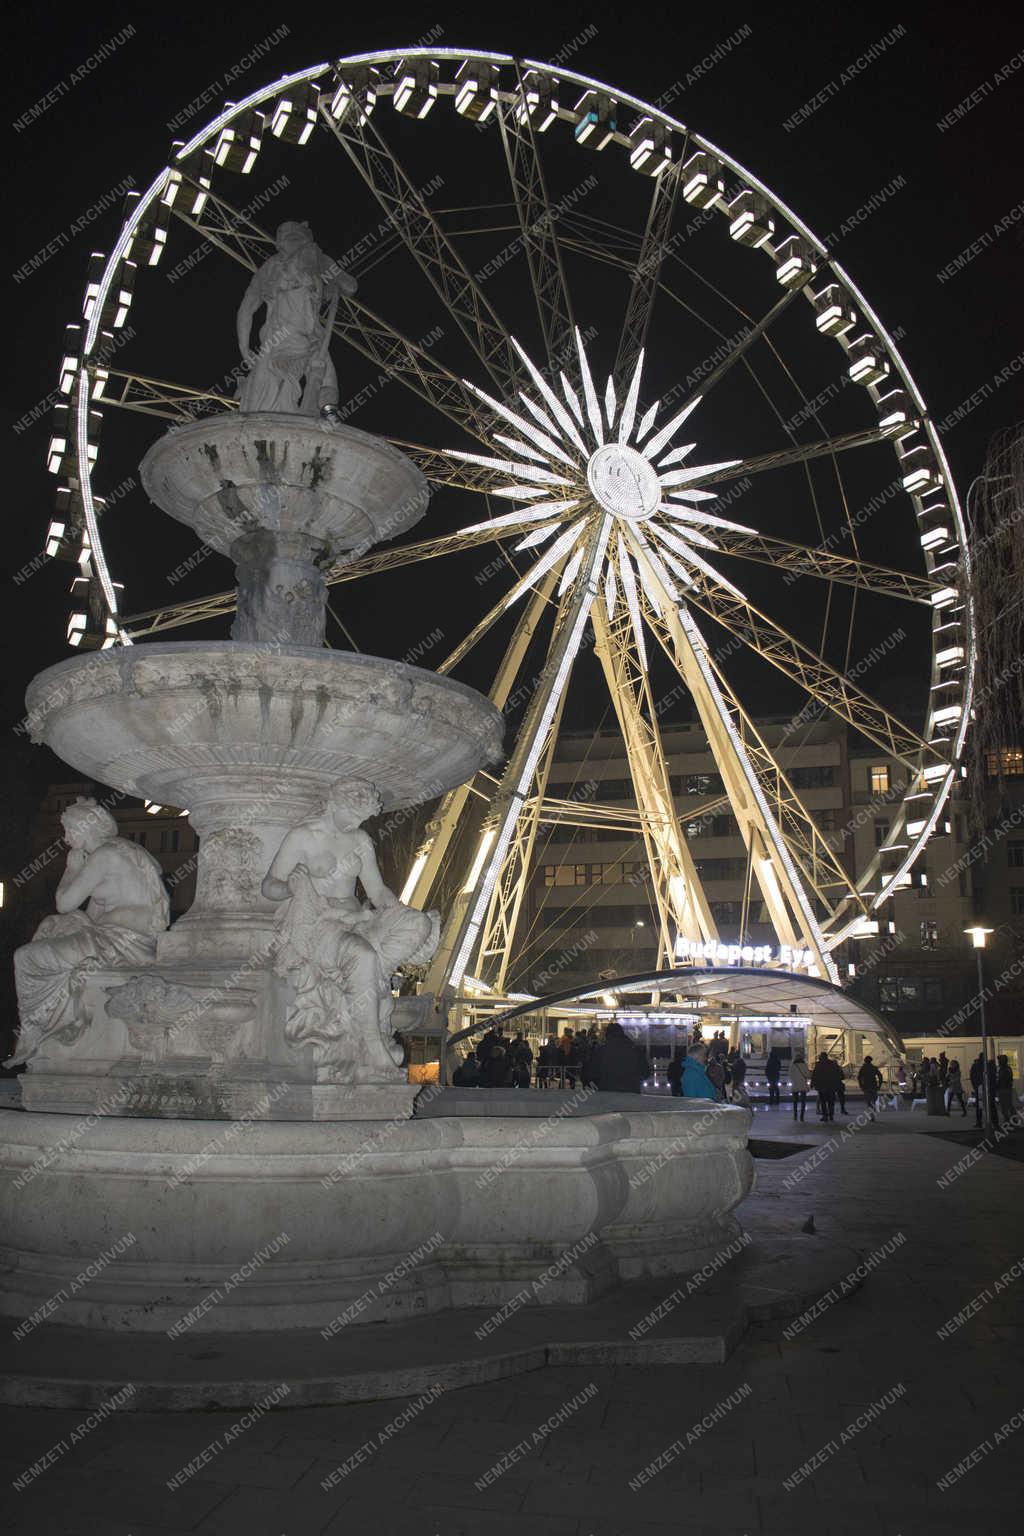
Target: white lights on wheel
column 90, row 627
column 476, row 90
column 294, row 117
column 61, row 458
column 920, row 471
column 702, row 182
column 415, row 87
column 896, row 414
column 596, row 125
column 355, row 92
column 114, row 311
column 149, row 237
column 239, row 142
column 538, row 100
column 189, row 197
column 795, row 262
column 751, row 220
column 943, row 597
column 650, row 147
column 70, row 360
column 834, row 315
column 868, row 362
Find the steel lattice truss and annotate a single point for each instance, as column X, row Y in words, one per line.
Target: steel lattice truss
column 608, row 524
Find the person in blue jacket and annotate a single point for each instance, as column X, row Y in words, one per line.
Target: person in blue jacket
column 696, row 1083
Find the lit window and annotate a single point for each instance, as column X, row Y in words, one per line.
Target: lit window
column 879, row 779
column 1008, row 761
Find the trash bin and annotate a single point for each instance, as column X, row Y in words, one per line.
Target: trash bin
column 936, row 1099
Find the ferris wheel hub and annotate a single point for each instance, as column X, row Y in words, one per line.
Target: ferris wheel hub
column 624, row 482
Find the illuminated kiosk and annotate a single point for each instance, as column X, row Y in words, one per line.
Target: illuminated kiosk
column 758, row 1007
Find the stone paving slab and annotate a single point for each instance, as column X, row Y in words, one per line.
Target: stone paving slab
column 807, row 1388
column 771, row 1278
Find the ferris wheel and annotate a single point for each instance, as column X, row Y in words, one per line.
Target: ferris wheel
column 609, row 284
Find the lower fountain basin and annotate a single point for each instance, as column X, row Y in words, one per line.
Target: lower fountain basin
column 258, row 1225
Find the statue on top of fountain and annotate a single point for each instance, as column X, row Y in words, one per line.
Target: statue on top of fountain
column 338, row 954
column 291, row 370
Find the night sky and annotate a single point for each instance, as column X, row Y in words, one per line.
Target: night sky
column 951, row 185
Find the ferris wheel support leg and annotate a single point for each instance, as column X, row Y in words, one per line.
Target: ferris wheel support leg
column 431, row 852
column 499, row 931
column 789, row 906
column 678, row 894
column 461, row 935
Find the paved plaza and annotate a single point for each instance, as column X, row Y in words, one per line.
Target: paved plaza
column 896, row 1408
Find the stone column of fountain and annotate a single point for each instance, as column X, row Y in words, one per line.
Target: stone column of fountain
column 250, row 735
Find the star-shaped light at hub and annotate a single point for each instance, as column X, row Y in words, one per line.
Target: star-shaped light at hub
column 574, row 460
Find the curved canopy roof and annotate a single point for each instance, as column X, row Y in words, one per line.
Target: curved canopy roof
column 733, row 988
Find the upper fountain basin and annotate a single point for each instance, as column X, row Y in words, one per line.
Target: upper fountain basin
column 231, row 474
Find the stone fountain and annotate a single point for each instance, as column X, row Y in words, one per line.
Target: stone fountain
column 214, row 1087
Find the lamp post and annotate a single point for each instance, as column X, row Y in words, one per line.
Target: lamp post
column 978, row 936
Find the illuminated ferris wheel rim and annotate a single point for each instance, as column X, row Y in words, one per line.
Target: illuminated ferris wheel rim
column 937, row 791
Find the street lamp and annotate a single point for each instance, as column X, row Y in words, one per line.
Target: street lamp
column 978, row 936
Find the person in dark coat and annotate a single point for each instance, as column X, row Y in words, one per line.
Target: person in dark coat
column 467, row 1075
column 773, row 1071
column 496, row 1072
column 955, row 1089
column 825, row 1080
column 547, row 1064
column 674, row 1074
column 621, row 1066
column 1004, row 1089
column 977, row 1083
column 870, row 1080
column 486, row 1044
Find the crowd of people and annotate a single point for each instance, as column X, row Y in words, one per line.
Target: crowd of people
column 712, row 1069
column 994, row 1078
column 615, row 1063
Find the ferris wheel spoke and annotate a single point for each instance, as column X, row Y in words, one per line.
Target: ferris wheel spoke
column 155, row 621
column 424, row 549
column 647, row 272
column 429, row 246
column 154, row 397
column 218, row 221
column 738, row 352
column 721, row 601
column 411, row 365
column 538, row 224
column 799, row 454
column 808, row 560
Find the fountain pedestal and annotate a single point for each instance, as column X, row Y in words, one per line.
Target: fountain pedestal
column 249, row 735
